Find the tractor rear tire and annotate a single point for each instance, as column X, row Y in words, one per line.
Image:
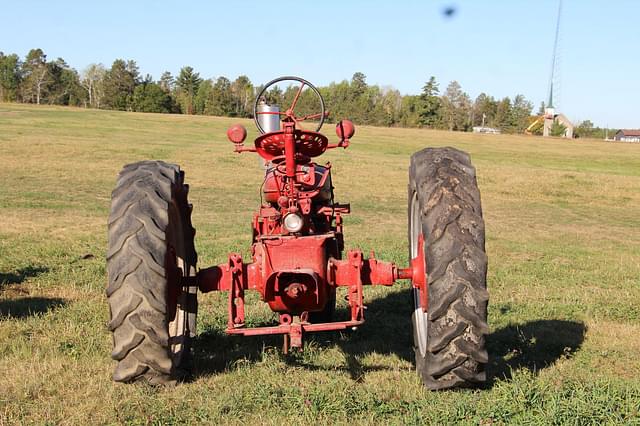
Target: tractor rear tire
column 444, row 206
column 151, row 247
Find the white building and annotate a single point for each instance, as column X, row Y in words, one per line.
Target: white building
column 627, row 135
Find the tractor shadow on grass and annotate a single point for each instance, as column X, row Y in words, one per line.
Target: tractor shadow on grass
column 215, row 352
column 19, row 276
column 28, row 306
column 24, row 306
column 534, row 345
column 387, row 331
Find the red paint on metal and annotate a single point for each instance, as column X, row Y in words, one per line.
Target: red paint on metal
column 236, row 292
column 237, row 133
column 368, row 271
column 345, row 129
column 294, row 332
column 307, row 144
column 297, row 272
column 419, row 274
column 295, row 100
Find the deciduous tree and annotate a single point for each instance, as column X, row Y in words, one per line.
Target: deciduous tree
column 456, row 107
column 93, row 82
column 35, row 75
column 243, row 94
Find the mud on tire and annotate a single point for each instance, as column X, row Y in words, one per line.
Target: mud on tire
column 152, row 318
column 444, row 205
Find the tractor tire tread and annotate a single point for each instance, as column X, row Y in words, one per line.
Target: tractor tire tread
column 451, row 216
column 137, row 285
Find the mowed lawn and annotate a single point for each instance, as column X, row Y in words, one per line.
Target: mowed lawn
column 563, row 239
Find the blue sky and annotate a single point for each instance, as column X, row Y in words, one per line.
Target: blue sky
column 500, row 47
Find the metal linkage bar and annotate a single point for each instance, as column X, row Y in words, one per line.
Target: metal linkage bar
column 236, row 293
column 354, row 272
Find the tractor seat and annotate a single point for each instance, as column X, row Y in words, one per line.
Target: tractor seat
column 309, row 144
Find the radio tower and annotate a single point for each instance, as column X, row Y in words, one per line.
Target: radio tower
column 550, row 112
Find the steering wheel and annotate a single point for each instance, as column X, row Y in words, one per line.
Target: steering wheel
column 289, row 113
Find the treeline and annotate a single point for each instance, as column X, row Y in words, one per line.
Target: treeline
column 121, row 87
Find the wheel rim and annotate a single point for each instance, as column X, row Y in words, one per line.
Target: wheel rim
column 175, row 311
column 178, row 266
column 420, row 317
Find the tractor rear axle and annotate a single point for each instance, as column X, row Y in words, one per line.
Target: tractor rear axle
column 354, row 272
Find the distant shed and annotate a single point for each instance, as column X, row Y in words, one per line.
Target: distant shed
column 482, row 129
column 627, row 135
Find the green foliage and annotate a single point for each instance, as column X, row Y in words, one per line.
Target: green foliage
column 484, row 111
column 429, row 104
column 38, row 81
column 119, row 84
column 93, row 82
column 503, row 114
column 456, row 108
column 64, row 86
column 167, row 82
column 409, row 114
column 202, row 101
column 149, row 97
column 9, row 77
column 558, row 129
column 586, row 129
column 187, row 85
column 35, row 76
column 242, row 94
column 221, row 97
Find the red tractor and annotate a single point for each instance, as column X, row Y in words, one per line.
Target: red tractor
column 297, row 263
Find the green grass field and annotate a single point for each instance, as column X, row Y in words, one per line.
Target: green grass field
column 563, row 239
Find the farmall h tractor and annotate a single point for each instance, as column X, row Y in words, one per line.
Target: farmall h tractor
column 297, row 262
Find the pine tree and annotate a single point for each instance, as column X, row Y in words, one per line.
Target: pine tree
column 429, row 106
column 119, row 84
column 167, row 82
column 188, row 82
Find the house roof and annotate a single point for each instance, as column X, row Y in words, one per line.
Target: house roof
column 629, row 132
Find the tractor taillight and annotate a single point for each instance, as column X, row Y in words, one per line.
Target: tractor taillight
column 237, row 134
column 345, row 129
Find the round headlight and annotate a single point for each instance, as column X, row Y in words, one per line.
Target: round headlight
column 293, row 222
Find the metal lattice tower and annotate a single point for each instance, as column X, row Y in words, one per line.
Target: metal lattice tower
column 554, row 78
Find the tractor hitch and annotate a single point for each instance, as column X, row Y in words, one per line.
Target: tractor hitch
column 290, row 289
